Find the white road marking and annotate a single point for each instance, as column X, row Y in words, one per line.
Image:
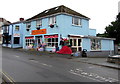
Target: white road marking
column 41, row 63
column 16, row 56
column 85, row 76
column 92, row 76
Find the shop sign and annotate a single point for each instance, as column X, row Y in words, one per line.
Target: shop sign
column 29, row 37
column 16, row 35
column 51, row 36
column 37, row 32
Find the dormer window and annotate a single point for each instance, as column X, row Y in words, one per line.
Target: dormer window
column 76, row 21
column 56, row 8
column 28, row 25
column 46, row 11
column 52, row 20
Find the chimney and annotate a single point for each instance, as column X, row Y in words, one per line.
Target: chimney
column 21, row 19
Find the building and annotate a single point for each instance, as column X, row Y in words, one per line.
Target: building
column 61, row 26
column 2, row 22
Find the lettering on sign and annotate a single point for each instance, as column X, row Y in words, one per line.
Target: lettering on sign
column 37, row 32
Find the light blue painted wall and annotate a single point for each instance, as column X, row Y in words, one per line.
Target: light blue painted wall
column 107, row 45
column 86, row 44
column 66, row 27
column 92, row 32
column 21, row 32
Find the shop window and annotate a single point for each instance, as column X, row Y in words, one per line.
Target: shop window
column 51, row 41
column 76, row 21
column 16, row 28
column 16, row 40
column 52, row 20
column 95, row 44
column 29, row 42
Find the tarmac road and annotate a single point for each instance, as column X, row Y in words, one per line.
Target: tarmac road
column 26, row 67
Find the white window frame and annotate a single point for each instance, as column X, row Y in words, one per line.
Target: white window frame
column 79, row 21
column 95, row 44
column 27, row 24
column 55, row 42
column 52, row 20
column 17, row 29
column 38, row 23
column 29, row 41
column 77, row 46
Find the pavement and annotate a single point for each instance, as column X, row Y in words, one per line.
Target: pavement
column 90, row 60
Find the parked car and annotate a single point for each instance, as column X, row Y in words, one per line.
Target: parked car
column 114, row 59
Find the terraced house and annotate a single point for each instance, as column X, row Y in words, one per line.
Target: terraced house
column 53, row 25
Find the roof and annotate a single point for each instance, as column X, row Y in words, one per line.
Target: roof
column 56, row 10
column 92, row 37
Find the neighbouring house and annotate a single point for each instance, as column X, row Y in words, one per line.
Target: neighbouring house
column 60, row 26
column 2, row 22
column 13, row 34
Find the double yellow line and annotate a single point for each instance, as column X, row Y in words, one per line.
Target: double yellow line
column 7, row 78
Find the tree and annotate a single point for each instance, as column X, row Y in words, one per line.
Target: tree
column 113, row 30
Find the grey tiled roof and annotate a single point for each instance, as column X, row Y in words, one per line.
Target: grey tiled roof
column 55, row 10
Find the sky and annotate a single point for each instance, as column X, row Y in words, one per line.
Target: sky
column 100, row 12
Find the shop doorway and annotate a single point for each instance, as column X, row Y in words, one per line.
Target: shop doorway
column 38, row 41
column 76, row 44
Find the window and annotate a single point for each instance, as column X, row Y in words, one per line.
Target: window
column 16, row 28
column 5, row 29
column 28, row 25
column 16, row 40
column 95, row 44
column 52, row 20
column 75, row 42
column 51, row 40
column 29, row 40
column 76, row 21
column 39, row 23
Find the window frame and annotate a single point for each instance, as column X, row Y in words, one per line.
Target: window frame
column 51, row 42
column 39, row 23
column 95, row 44
column 18, row 27
column 17, row 41
column 27, row 24
column 79, row 21
column 28, row 42
column 52, row 20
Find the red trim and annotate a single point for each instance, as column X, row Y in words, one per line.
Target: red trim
column 29, row 37
column 51, row 36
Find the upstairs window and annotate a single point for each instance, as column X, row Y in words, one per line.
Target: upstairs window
column 5, row 29
column 28, row 25
column 52, row 20
column 39, row 23
column 76, row 21
column 17, row 28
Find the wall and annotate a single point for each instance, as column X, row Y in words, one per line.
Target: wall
column 12, row 32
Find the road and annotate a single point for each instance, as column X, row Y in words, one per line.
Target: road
column 27, row 67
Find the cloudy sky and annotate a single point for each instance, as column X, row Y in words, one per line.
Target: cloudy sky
column 101, row 12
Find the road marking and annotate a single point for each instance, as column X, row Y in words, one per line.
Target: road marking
column 9, row 77
column 16, row 56
column 92, row 76
column 41, row 63
column 85, row 76
column 46, row 64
